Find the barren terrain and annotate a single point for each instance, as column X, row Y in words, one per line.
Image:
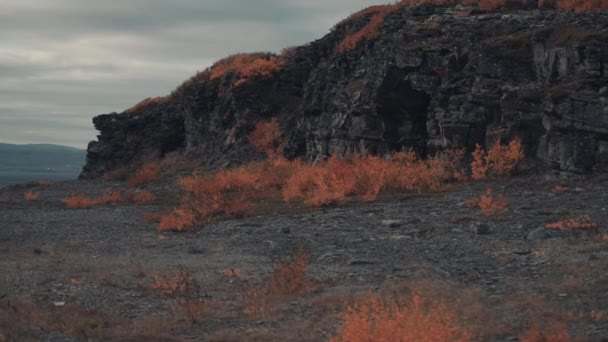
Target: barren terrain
column 104, row 274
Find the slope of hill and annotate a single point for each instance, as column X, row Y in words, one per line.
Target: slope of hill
column 24, row 163
column 391, row 78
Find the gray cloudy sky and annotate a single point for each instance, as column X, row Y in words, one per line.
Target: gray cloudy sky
column 64, row 61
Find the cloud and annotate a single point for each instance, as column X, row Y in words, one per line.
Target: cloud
column 64, row 61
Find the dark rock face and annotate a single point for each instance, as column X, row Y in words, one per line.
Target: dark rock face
column 432, row 80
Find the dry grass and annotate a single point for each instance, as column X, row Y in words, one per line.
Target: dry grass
column 31, row 196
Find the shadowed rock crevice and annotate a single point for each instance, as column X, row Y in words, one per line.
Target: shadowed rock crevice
column 404, row 113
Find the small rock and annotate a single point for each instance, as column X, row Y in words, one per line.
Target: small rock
column 542, row 233
column 360, row 262
column 285, row 230
column 480, row 228
column 59, row 303
column 392, row 223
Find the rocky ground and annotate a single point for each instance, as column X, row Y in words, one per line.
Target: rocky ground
column 90, row 274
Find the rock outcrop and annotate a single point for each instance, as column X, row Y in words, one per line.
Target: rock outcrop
column 434, row 78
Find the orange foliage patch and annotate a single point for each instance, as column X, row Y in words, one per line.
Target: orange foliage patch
column 553, row 333
column 266, row 137
column 489, row 205
column 150, row 101
column 584, row 222
column 178, row 220
column 247, row 66
column 78, row 202
column 109, row 197
column 373, row 319
column 31, row 196
column 151, row 218
column 148, row 172
column 141, row 197
column 331, row 182
column 181, row 283
column 289, row 276
column 46, row 182
column 501, row 160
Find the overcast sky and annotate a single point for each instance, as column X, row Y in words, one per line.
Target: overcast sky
column 64, row 61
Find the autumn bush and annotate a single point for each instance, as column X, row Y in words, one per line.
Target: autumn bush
column 146, row 173
column 266, row 137
column 31, row 196
column 178, row 220
column 111, row 196
column 289, row 278
column 181, row 283
column 140, row 197
column 375, row 319
column 489, row 205
column 247, row 66
column 501, row 160
column 582, row 223
column 78, row 202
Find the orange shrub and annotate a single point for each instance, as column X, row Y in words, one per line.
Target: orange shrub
column 151, row 218
column 500, row 160
column 247, row 66
column 46, row 182
column 552, row 333
column 31, row 196
column 141, row 197
column 148, row 172
column 178, row 220
column 78, row 202
column 366, row 177
column 289, row 276
column 584, row 222
column 373, row 319
column 109, row 197
column 181, row 283
column 491, row 206
column 266, row 137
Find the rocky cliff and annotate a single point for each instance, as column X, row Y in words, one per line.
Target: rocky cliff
column 431, row 78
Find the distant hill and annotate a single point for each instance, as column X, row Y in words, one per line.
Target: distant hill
column 25, row 163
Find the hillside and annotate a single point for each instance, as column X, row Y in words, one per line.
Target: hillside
column 390, row 78
column 25, row 163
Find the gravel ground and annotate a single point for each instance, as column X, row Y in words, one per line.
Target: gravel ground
column 88, row 274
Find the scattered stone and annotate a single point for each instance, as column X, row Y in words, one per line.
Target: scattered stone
column 285, row 230
column 542, row 233
column 480, row 228
column 392, row 223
